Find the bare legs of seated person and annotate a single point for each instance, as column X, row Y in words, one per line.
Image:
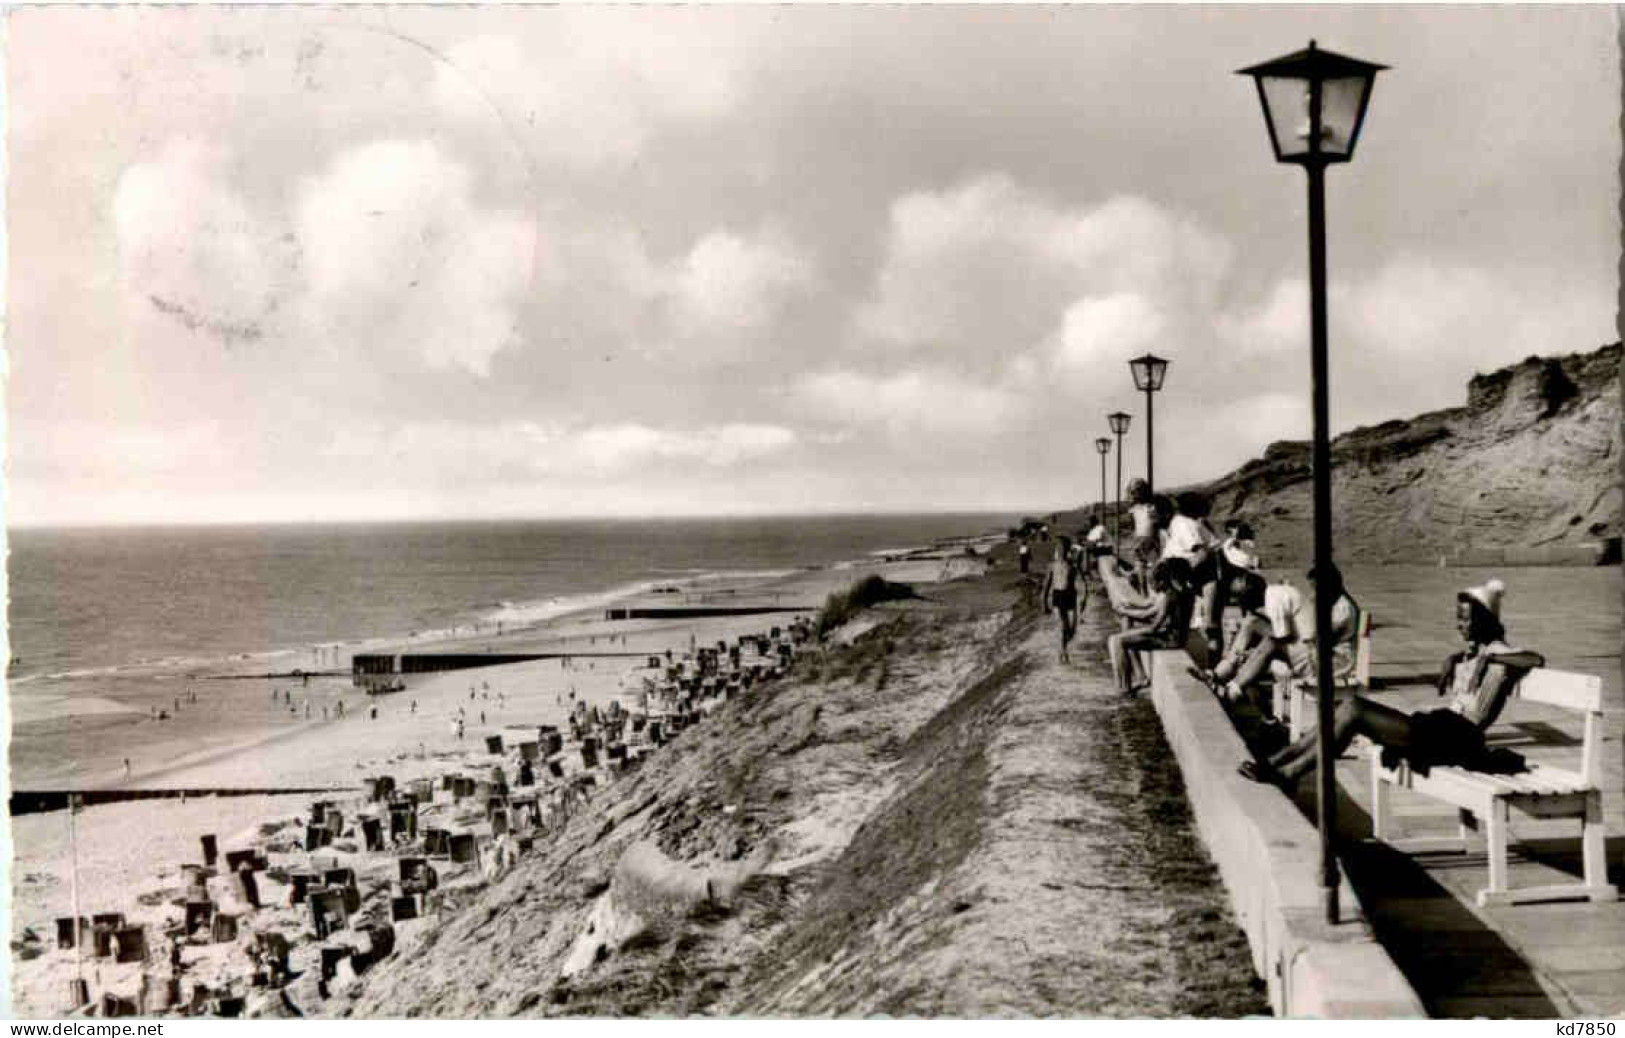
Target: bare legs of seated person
column 1354, row 715
column 1124, row 649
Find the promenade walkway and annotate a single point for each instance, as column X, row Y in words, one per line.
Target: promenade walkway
column 1563, row 959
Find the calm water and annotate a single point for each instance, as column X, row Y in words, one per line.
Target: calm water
column 88, row 599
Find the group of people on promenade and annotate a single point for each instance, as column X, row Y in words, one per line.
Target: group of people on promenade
column 1171, row 588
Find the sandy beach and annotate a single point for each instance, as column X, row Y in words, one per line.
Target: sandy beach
column 129, row 854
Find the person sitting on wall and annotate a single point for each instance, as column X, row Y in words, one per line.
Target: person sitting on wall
column 1163, row 623
column 1479, row 681
column 1235, row 566
column 1189, row 538
column 1289, row 637
column 1145, row 547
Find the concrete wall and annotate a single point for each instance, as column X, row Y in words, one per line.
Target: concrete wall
column 1269, row 858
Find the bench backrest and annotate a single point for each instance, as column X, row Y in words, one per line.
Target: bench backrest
column 1579, row 692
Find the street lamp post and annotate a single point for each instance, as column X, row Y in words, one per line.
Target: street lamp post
column 1119, row 422
column 1314, row 106
column 1149, row 372
column 1103, row 447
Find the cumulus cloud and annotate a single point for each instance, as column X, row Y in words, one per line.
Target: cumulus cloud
column 909, row 402
column 401, row 258
column 709, row 302
column 595, row 87
column 1279, row 322
column 733, row 282
column 989, row 267
column 193, row 250
column 1100, row 329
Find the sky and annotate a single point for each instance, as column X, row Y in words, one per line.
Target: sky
column 303, row 263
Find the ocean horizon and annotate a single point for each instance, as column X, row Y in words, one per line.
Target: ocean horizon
column 86, row 599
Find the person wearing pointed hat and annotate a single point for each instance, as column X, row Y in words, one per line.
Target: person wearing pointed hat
column 1479, row 680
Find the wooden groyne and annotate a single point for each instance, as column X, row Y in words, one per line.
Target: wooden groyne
column 368, row 667
column 37, row 801
column 693, row 612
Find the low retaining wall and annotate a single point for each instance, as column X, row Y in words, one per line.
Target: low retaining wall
column 1269, row 858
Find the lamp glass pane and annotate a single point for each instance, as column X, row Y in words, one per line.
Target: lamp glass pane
column 1342, row 99
column 1287, row 98
column 1148, row 372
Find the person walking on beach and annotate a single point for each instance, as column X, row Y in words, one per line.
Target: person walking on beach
column 1062, row 584
column 1024, row 557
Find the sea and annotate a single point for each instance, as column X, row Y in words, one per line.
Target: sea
column 108, row 627
column 84, row 601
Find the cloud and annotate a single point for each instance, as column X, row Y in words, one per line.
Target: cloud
column 93, row 448
column 595, row 87
column 1101, row 330
column 628, row 445
column 400, row 257
column 473, row 452
column 912, row 402
column 1280, row 322
column 988, row 267
column 733, row 282
column 191, row 249
column 1406, row 337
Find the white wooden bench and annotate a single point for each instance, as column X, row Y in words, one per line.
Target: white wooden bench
column 1541, row 792
column 1293, row 699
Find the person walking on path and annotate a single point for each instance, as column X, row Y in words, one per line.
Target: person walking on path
column 1063, row 585
column 1024, row 557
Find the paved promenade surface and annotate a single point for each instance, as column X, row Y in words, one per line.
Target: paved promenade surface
column 1564, row 959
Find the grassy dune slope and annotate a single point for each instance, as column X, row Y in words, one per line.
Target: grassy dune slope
column 936, row 819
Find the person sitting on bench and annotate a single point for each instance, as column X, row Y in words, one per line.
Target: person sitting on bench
column 1479, row 682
